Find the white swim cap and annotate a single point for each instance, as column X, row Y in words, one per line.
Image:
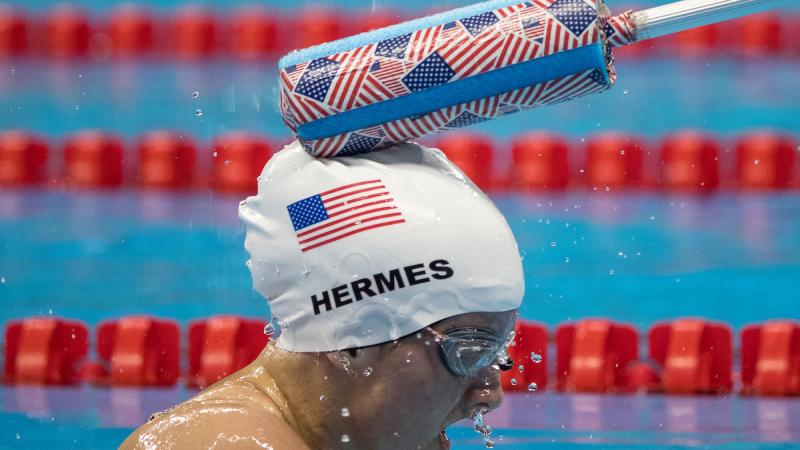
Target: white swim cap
column 360, row 250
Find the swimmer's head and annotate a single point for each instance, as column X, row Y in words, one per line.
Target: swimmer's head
column 357, row 251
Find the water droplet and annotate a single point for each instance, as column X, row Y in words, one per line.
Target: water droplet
column 622, row 151
column 345, row 438
column 625, row 92
column 227, row 162
column 479, row 425
column 396, row 434
column 521, row 368
column 198, row 112
column 611, row 272
column 2, row 280
column 214, row 154
column 273, row 328
column 367, row 372
column 345, row 412
column 535, row 357
column 195, row 94
column 757, row 161
column 322, row 398
column 513, row 381
column 652, row 217
column 532, row 387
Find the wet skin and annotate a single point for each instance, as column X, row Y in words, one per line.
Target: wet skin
column 286, row 400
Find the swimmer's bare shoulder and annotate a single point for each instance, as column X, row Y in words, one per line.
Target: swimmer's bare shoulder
column 230, row 414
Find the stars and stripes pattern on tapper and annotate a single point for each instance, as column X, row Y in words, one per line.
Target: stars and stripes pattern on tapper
column 343, row 211
column 620, row 30
column 444, row 53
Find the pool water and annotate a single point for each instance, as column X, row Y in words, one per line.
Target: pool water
column 87, row 418
column 637, row 257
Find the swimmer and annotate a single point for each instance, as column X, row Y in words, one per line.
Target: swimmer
column 394, row 284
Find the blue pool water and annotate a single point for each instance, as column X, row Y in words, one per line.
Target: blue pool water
column 726, row 96
column 636, row 257
column 86, row 418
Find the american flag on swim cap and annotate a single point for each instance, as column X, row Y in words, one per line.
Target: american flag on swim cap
column 342, row 211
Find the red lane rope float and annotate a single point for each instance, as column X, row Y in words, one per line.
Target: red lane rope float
column 614, row 160
column 136, row 351
column 315, row 25
column 132, row 31
column 44, row 350
column 761, row 35
column 690, row 161
column 472, row 153
column 13, row 31
column 166, row 160
column 23, row 158
column 540, row 161
column 595, row 355
column 192, row 33
column 93, row 159
column 238, row 160
column 255, row 33
column 67, row 32
column 771, row 358
column 695, row 354
column 698, row 42
column 374, row 19
column 765, row 160
column 529, row 353
column 221, row 345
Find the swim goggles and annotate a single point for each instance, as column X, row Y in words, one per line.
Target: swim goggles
column 467, row 351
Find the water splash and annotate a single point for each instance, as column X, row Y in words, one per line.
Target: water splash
column 479, row 425
column 346, row 366
column 273, row 328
